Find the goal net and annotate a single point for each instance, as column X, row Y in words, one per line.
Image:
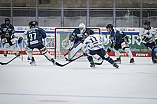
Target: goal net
column 62, row 43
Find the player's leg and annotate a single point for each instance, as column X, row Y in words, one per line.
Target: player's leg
column 29, row 53
column 13, row 46
column 117, row 54
column 154, row 55
column 128, row 51
column 44, row 51
column 90, row 59
column 102, row 53
column 151, row 46
column 5, row 46
column 73, row 51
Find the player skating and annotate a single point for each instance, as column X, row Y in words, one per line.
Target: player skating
column 148, row 36
column 35, row 36
column 118, row 41
column 77, row 36
column 93, row 45
column 8, row 37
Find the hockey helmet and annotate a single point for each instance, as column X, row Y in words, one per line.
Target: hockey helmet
column 82, row 26
column 109, row 26
column 33, row 23
column 90, row 32
column 7, row 21
column 147, row 22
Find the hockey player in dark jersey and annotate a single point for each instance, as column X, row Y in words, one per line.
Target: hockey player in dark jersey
column 34, row 39
column 7, row 36
column 118, row 41
column 77, row 36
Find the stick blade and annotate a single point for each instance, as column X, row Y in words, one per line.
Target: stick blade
column 3, row 63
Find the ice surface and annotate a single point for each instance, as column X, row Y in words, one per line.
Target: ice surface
column 77, row 83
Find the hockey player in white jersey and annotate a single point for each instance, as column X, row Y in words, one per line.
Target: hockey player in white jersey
column 93, row 45
column 77, row 36
column 148, row 36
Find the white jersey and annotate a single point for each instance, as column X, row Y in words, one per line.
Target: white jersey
column 151, row 34
column 94, row 42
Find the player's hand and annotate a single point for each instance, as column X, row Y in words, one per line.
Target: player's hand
column 111, row 46
column 146, row 39
column 71, row 39
column 109, row 49
column 20, row 40
column 12, row 36
column 127, row 45
column 85, row 54
column 4, row 40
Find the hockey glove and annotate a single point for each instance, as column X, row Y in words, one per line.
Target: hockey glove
column 85, row 54
column 12, row 36
column 20, row 40
column 146, row 39
column 109, row 49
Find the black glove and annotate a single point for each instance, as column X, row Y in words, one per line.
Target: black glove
column 111, row 46
column 12, row 36
column 146, row 39
column 156, row 41
column 20, row 40
column 109, row 49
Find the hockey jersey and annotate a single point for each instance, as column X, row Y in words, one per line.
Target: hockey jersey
column 94, row 42
column 150, row 34
column 77, row 35
column 116, row 36
column 7, row 31
column 35, row 36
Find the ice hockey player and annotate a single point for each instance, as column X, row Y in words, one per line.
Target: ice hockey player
column 148, row 36
column 35, row 36
column 93, row 45
column 8, row 37
column 77, row 36
column 118, row 41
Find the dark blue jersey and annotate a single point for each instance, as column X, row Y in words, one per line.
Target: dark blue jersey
column 7, row 31
column 35, row 36
column 116, row 37
column 77, row 35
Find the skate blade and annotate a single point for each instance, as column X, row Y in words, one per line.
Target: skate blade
column 33, row 64
column 132, row 63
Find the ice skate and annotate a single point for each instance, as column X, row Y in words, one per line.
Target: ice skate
column 118, row 61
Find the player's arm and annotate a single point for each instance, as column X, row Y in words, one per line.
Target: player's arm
column 72, row 36
column 42, row 32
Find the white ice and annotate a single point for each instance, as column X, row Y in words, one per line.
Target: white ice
column 77, row 83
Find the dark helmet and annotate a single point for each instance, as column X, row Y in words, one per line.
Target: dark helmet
column 33, row 23
column 109, row 26
column 7, row 19
column 90, row 32
column 147, row 22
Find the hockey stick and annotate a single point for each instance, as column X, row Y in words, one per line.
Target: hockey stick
column 5, row 63
column 61, row 65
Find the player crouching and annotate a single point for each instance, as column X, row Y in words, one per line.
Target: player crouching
column 93, row 45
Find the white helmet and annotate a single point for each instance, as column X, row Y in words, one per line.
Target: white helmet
column 82, row 27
